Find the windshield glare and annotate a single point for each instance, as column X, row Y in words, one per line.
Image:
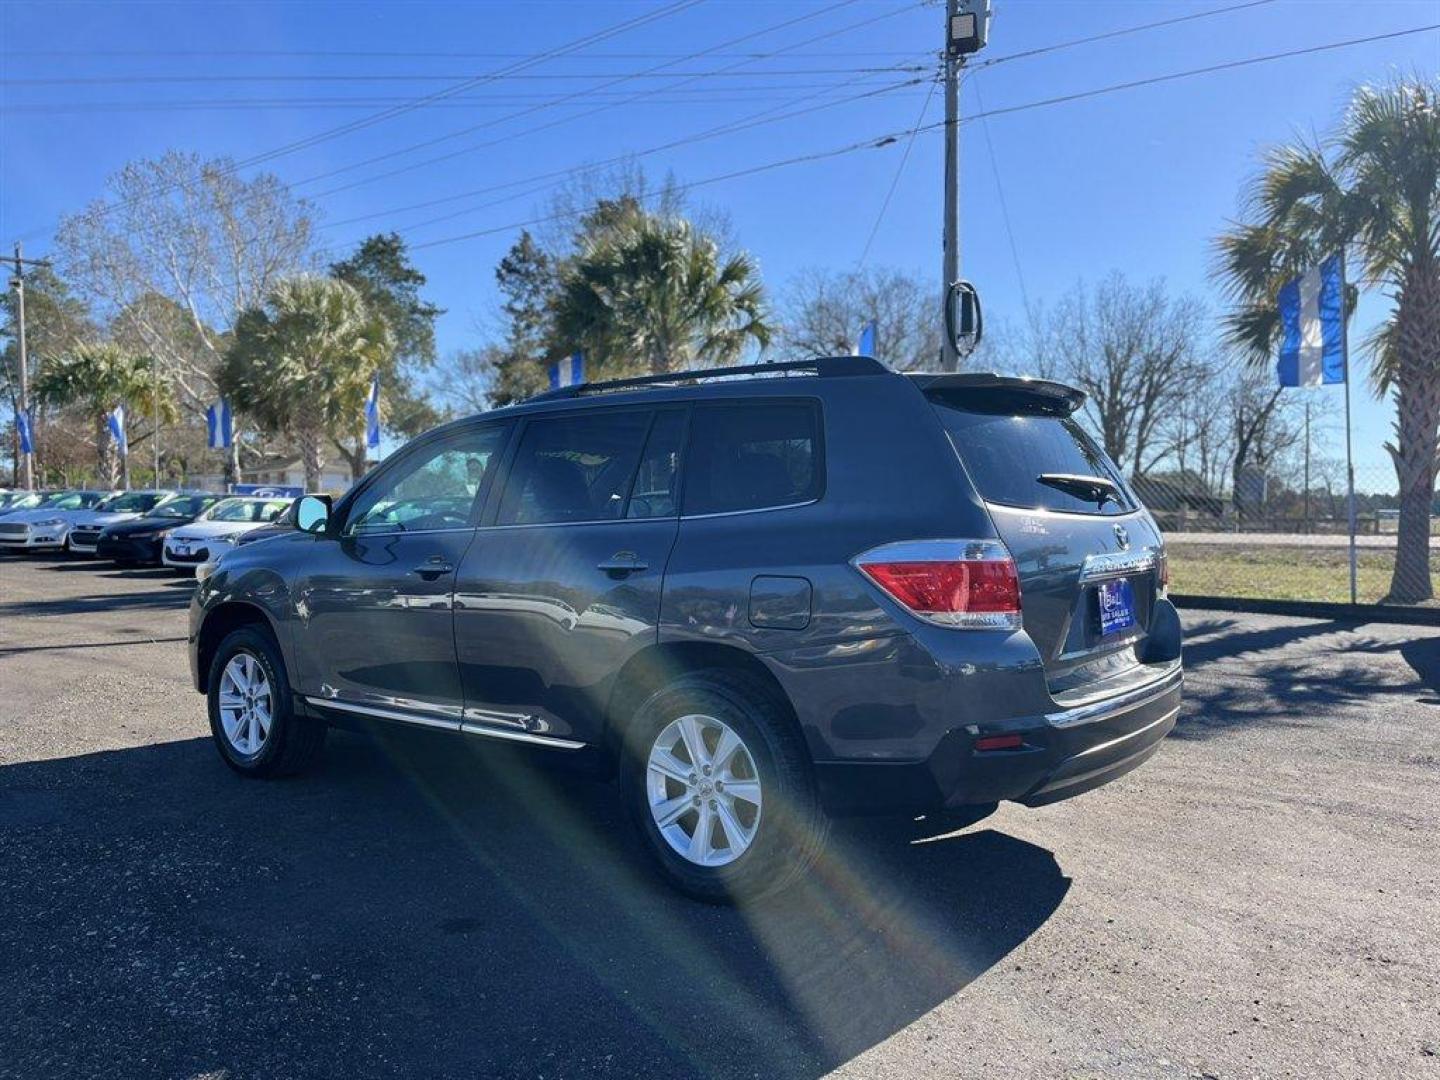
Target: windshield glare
column 244, row 510
column 131, row 502
column 184, row 507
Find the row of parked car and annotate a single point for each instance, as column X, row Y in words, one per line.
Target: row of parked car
column 159, row 527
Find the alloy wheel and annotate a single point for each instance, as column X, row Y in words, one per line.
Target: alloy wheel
column 246, row 704
column 704, row 790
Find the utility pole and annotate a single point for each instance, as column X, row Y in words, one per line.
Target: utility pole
column 27, row 474
column 967, row 25
column 950, row 272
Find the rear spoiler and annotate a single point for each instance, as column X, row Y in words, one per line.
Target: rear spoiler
column 1043, row 395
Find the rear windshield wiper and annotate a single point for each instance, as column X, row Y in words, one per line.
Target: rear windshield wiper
column 1096, row 489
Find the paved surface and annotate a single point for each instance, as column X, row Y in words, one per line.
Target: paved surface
column 1259, row 901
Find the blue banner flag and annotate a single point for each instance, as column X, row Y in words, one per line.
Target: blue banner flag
column 116, row 424
column 1312, row 326
column 866, row 345
column 568, row 372
column 372, row 414
column 27, row 436
column 219, row 425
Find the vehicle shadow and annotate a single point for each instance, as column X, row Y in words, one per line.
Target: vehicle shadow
column 422, row 906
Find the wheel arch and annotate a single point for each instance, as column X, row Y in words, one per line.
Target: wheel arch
column 219, row 622
column 654, row 666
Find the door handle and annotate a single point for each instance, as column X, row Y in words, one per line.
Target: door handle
column 622, row 563
column 434, row 568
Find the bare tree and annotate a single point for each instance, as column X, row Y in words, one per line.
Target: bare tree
column 198, row 235
column 825, row 310
column 1134, row 350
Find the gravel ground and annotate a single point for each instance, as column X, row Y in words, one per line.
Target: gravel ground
column 1260, row 900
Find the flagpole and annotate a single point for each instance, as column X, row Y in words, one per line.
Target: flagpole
column 1349, row 453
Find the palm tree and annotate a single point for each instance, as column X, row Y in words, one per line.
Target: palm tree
column 650, row 293
column 1372, row 190
column 300, row 365
column 95, row 379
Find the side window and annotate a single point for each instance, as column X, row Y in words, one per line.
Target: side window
column 431, row 490
column 574, row 468
column 654, row 494
column 747, row 457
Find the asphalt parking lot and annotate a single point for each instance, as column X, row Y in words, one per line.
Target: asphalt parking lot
column 1261, row 900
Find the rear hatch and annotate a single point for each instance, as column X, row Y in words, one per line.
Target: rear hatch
column 1088, row 556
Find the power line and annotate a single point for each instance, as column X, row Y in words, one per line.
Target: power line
column 579, row 116
column 1124, row 31
column 548, row 179
column 171, row 54
column 567, row 49
column 974, row 81
column 1208, row 69
column 800, row 159
column 649, row 73
column 895, row 181
column 740, row 96
column 894, row 137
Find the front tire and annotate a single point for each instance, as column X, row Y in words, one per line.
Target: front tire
column 252, row 712
column 719, row 785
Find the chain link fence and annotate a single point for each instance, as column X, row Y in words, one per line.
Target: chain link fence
column 1258, row 536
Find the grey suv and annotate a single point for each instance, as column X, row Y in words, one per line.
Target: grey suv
column 761, row 596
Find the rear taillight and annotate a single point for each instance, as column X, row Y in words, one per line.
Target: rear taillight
column 971, row 584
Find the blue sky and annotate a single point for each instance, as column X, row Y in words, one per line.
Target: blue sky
column 1138, row 180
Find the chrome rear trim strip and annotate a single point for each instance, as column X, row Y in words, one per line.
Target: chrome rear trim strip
column 1116, row 564
column 1106, row 707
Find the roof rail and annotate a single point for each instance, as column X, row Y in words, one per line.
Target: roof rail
column 824, row 366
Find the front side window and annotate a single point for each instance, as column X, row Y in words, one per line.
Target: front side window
column 753, row 456
column 430, row 490
column 574, row 468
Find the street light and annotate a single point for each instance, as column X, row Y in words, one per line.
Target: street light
column 969, row 27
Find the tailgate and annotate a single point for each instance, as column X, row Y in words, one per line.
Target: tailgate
column 1087, row 554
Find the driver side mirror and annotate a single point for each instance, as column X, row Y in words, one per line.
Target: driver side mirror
column 313, row 513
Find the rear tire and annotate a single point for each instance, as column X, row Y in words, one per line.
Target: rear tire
column 252, row 712
column 744, row 736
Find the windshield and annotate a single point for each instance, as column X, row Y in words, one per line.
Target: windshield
column 184, row 506
column 19, row 500
column 256, row 510
column 70, row 500
column 132, row 502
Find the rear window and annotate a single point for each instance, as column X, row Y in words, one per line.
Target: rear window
column 1007, row 449
column 752, row 456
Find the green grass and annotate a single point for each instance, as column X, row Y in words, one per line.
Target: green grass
column 1281, row 573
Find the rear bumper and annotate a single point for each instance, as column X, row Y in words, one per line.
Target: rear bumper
column 123, row 549
column 1062, row 754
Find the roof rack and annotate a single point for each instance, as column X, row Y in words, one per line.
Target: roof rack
column 824, row 366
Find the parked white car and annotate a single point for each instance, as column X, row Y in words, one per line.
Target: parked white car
column 214, row 532
column 47, row 524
